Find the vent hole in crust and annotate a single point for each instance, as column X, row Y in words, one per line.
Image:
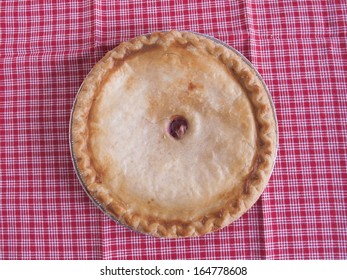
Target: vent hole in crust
column 177, row 127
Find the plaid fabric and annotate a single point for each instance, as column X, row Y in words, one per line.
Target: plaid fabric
column 46, row 50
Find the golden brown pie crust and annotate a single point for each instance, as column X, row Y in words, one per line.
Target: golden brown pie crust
column 150, row 181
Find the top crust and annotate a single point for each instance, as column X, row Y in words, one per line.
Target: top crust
column 136, row 171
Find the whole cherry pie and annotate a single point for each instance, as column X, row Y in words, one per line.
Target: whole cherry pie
column 173, row 134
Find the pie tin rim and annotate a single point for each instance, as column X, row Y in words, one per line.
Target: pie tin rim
column 95, row 201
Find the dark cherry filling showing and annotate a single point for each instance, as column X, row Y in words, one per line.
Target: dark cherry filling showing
column 177, row 127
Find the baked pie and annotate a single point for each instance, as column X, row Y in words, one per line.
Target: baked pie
column 173, row 134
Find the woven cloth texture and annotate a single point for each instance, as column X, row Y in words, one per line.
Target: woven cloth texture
column 46, row 50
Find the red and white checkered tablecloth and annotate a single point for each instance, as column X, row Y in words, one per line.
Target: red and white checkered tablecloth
column 46, row 50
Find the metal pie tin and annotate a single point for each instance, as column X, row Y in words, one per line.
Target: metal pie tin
column 217, row 41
